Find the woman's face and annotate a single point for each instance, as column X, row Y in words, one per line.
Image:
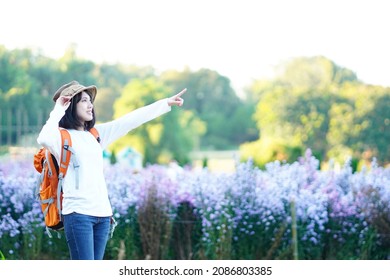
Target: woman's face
column 84, row 108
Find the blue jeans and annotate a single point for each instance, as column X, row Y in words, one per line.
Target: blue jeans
column 86, row 236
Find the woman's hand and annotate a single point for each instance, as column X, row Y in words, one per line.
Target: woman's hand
column 63, row 101
column 176, row 99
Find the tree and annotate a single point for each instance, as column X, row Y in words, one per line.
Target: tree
column 111, row 80
column 315, row 72
column 306, row 108
column 215, row 102
column 19, row 98
column 359, row 123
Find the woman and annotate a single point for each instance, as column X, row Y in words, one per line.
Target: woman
column 86, row 208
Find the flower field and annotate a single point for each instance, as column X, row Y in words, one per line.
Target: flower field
column 287, row 211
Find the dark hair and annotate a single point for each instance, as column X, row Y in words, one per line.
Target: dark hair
column 70, row 120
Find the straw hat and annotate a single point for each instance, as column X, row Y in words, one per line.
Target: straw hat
column 73, row 88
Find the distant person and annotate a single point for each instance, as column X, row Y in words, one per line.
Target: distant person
column 87, row 210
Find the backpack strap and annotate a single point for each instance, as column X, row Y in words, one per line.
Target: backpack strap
column 66, row 152
column 65, row 157
column 95, row 133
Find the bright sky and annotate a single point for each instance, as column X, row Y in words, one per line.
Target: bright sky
column 240, row 39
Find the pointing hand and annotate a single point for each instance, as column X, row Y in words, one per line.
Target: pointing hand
column 176, row 99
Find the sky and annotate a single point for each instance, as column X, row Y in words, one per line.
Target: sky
column 243, row 40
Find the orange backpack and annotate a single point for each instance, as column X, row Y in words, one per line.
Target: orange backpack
column 49, row 186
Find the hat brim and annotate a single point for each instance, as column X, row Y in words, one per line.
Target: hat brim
column 75, row 89
column 92, row 90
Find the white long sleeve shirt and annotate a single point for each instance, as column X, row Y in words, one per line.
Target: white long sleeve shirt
column 91, row 198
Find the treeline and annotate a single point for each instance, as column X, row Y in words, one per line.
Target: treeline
column 28, row 81
column 312, row 103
